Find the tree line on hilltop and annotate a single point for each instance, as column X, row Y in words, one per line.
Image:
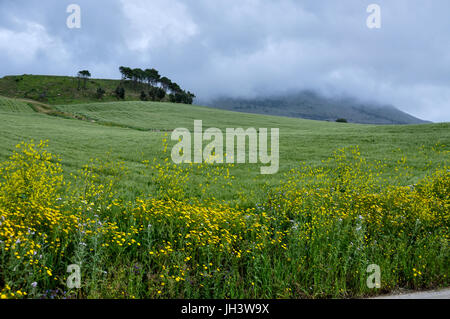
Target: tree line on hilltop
column 155, row 87
column 151, row 85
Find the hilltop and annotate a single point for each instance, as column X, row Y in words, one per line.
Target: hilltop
column 55, row 90
column 59, row 89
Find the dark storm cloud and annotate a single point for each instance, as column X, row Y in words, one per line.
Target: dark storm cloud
column 245, row 47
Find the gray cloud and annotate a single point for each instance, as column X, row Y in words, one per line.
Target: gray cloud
column 245, row 47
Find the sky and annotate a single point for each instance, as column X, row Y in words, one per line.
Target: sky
column 245, row 48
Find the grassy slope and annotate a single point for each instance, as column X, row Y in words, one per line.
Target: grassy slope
column 61, row 89
column 334, row 266
column 13, row 106
column 122, row 129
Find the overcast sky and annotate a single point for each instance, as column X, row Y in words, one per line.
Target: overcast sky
column 244, row 47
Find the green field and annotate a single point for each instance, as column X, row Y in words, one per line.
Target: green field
column 387, row 158
column 129, row 131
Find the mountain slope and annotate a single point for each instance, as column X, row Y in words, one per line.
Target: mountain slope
column 310, row 105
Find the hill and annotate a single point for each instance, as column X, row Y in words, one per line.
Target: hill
column 64, row 89
column 56, row 90
column 133, row 131
column 311, row 105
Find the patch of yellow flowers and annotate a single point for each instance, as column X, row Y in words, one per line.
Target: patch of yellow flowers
column 342, row 209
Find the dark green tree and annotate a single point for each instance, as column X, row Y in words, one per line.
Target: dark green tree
column 190, row 97
column 175, row 88
column 151, row 76
column 143, row 96
column 138, row 76
column 120, row 93
column 85, row 75
column 153, row 93
column 160, row 94
column 100, row 93
column 165, row 83
column 126, row 73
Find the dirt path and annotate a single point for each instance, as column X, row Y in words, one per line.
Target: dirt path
column 47, row 109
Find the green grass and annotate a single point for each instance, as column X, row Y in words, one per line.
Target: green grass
column 13, row 106
column 128, row 131
column 63, row 89
column 293, row 265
